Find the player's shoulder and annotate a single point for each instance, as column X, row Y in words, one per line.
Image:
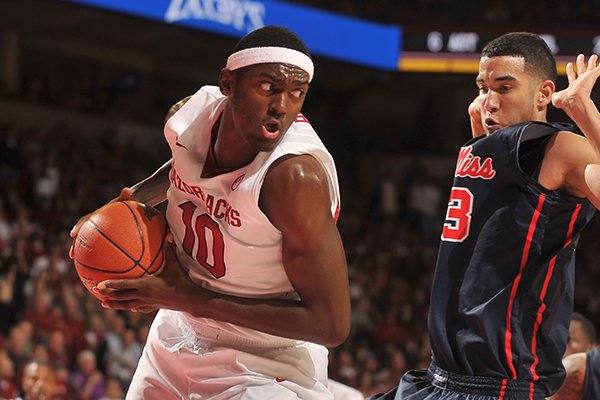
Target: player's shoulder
column 569, row 140
column 175, row 107
column 295, row 170
column 205, row 94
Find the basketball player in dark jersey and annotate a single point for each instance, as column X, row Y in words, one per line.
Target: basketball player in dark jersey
column 502, row 294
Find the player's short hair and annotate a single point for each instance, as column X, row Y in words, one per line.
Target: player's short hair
column 539, row 60
column 271, row 44
column 586, row 325
column 272, row 36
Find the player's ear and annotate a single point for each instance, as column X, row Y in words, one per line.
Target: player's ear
column 226, row 81
column 544, row 94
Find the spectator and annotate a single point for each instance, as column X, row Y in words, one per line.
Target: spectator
column 8, row 387
column 582, row 335
column 113, row 389
column 40, row 382
column 87, row 382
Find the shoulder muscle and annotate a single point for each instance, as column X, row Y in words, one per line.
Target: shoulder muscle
column 295, row 195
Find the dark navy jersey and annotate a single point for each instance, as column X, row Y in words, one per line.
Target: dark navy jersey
column 502, row 294
column 591, row 385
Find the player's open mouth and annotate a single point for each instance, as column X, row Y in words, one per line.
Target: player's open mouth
column 271, row 129
column 491, row 125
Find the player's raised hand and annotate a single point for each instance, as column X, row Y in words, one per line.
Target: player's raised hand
column 475, row 114
column 581, row 83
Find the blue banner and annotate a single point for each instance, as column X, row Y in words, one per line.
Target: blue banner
column 326, row 34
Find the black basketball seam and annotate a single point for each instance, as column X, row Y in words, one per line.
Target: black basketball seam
column 105, row 270
column 159, row 249
column 136, row 263
column 139, row 227
column 96, row 227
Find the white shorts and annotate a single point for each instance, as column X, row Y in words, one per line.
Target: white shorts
column 193, row 372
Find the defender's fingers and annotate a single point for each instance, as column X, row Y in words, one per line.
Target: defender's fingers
column 581, row 67
column 571, row 75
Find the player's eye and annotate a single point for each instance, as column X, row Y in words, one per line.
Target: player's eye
column 267, row 86
column 298, row 93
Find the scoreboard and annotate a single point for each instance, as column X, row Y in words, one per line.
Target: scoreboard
column 348, row 39
column 457, row 51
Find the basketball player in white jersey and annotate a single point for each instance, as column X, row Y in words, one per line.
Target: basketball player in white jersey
column 255, row 285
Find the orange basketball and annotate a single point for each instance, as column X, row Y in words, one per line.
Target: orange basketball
column 122, row 240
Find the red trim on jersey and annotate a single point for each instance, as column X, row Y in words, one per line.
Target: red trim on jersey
column 301, row 118
column 538, row 318
column 531, row 389
column 572, row 225
column 337, row 213
column 542, row 308
column 515, row 287
column 503, row 389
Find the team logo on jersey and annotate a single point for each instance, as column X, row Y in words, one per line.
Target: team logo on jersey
column 471, row 166
column 237, row 182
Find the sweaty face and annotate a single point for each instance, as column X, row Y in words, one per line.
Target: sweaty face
column 265, row 102
column 508, row 92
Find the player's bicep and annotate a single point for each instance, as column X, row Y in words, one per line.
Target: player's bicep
column 295, row 197
column 297, row 200
column 581, row 166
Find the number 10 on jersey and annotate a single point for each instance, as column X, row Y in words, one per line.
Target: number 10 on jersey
column 210, row 256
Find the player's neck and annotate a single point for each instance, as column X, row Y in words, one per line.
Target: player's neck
column 223, row 156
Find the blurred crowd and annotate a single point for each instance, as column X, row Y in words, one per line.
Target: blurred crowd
column 50, row 177
column 55, row 336
column 53, row 175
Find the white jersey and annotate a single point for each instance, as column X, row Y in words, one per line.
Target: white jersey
column 223, row 238
column 239, row 251
column 229, row 246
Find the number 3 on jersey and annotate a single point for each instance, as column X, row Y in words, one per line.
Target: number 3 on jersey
column 204, row 229
column 458, row 217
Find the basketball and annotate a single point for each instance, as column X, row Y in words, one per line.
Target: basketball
column 122, row 240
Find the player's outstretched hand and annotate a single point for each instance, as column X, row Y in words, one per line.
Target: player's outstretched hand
column 124, row 195
column 172, row 289
column 581, row 83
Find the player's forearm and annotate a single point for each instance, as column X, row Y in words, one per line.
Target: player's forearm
column 153, row 189
column 285, row 318
column 585, row 114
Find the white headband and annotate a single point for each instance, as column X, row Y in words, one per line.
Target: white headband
column 271, row 54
